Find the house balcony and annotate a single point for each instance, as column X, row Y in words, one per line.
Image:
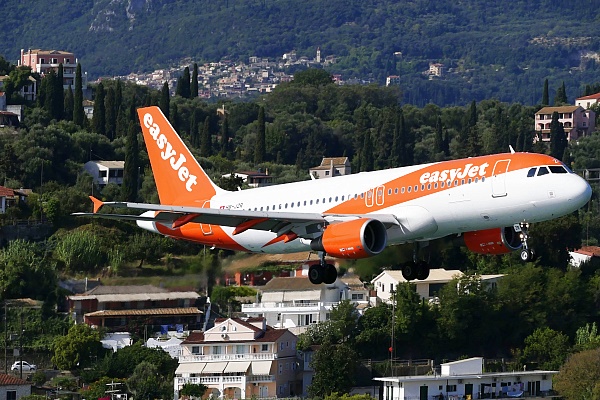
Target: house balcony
column 289, row 307
column 228, row 357
column 218, row 380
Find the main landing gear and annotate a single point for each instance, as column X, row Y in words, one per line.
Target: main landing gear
column 322, row 272
column 416, row 269
column 527, row 253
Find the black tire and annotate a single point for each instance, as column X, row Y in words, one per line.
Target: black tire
column 525, row 255
column 330, row 274
column 409, row 271
column 315, row 274
column 422, row 271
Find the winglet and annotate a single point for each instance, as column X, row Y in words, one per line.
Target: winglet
column 97, row 204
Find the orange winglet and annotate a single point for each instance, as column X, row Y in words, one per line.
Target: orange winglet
column 286, row 237
column 244, row 226
column 183, row 220
column 97, row 204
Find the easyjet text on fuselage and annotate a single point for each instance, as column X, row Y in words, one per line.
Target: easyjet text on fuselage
column 469, row 170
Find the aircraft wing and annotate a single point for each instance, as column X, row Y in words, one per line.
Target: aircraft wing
column 307, row 225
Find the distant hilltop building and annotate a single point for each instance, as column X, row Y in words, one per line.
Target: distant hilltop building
column 436, row 69
column 330, row 167
column 44, row 61
column 392, row 80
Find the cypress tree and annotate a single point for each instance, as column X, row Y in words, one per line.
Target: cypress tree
column 50, row 96
column 225, row 137
column 206, row 139
column 129, row 188
column 367, row 161
column 194, row 88
column 194, row 135
column 545, row 95
column 110, row 113
column 558, row 137
column 175, row 118
column 260, row 144
column 78, row 98
column 185, row 83
column 99, row 119
column 165, row 99
column 561, row 95
column 60, row 93
column 68, row 106
column 179, row 87
column 439, row 135
column 119, row 96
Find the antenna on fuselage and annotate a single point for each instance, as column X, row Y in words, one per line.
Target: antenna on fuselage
column 512, row 151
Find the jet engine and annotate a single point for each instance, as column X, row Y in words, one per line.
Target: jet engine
column 358, row 238
column 493, row 241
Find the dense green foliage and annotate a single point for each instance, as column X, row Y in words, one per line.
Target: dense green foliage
column 502, row 49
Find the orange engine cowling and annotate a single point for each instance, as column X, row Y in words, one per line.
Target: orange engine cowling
column 358, row 238
column 493, row 241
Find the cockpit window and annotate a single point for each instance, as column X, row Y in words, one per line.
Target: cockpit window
column 543, row 171
column 557, row 169
column 531, row 172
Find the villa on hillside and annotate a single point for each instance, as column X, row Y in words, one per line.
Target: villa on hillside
column 240, row 359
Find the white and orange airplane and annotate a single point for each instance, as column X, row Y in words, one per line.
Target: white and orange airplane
column 490, row 200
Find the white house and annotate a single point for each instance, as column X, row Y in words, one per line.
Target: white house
column 294, row 303
column 105, row 172
column 388, row 281
column 331, row 167
column 240, row 359
column 13, row 388
column 465, row 379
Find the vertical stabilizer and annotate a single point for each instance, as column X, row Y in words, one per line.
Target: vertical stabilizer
column 180, row 180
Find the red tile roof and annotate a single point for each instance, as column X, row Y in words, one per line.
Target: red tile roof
column 590, row 97
column 6, row 192
column 592, row 251
column 10, row 380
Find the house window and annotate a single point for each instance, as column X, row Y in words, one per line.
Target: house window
column 357, row 296
column 195, row 349
column 240, row 349
column 450, row 388
column 326, row 173
column 11, row 395
column 280, row 368
column 264, row 347
column 281, row 346
column 217, row 350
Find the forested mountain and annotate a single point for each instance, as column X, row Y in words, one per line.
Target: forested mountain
column 498, row 49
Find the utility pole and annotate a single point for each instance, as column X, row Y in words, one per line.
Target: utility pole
column 5, row 338
column 392, row 348
column 21, row 346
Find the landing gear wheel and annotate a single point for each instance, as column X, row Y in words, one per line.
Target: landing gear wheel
column 422, row 271
column 527, row 255
column 330, row 274
column 316, row 274
column 409, row 271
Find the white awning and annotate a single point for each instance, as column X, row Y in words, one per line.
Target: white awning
column 306, row 295
column 214, row 367
column 261, row 367
column 190, row 368
column 237, row 366
column 272, row 297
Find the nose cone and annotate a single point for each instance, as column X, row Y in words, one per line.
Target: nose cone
column 580, row 192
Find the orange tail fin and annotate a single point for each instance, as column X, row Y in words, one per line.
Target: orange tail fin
column 180, row 180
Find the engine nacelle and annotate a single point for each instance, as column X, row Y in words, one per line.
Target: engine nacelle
column 493, row 241
column 358, row 238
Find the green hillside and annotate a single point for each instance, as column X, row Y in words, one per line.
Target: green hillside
column 502, row 49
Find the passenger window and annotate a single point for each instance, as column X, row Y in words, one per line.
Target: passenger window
column 542, row 171
column 416, row 188
column 402, row 191
column 442, row 184
column 389, row 192
column 396, row 191
column 336, row 199
column 435, row 185
column 317, row 201
column 429, row 186
column 409, row 189
column 292, row 205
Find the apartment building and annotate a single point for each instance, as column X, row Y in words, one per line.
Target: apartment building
column 294, row 303
column 240, row 359
column 576, row 120
column 44, row 61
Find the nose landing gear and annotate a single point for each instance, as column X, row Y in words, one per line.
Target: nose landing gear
column 527, row 253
